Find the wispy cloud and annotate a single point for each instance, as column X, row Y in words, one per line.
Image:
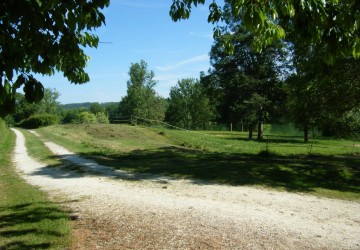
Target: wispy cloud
column 200, row 58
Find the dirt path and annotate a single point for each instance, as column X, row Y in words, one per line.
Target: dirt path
column 117, row 210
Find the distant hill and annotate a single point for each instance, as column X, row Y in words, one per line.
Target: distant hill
column 85, row 105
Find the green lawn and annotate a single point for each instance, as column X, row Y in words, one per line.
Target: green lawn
column 28, row 220
column 331, row 169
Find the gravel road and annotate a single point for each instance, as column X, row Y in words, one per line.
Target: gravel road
column 118, row 210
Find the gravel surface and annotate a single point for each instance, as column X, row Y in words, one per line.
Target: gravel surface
column 119, row 210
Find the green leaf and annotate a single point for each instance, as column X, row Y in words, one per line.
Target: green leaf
column 71, row 21
column 34, row 90
column 7, row 88
column 217, row 33
column 39, row 2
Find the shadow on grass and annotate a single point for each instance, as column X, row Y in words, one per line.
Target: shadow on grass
column 20, row 224
column 302, row 173
column 274, row 139
column 271, row 140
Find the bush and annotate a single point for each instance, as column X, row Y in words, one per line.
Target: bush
column 39, row 120
column 102, row 118
column 9, row 121
column 71, row 116
column 78, row 116
column 87, row 117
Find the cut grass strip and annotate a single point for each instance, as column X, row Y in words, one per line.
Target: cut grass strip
column 37, row 149
column 28, row 220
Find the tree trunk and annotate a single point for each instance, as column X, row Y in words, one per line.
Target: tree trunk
column 260, row 126
column 250, row 132
column 306, row 133
column 260, row 131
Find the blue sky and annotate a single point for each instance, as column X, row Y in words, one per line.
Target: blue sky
column 140, row 30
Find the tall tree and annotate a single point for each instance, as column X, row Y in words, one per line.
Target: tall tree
column 97, row 108
column 250, row 81
column 189, row 107
column 44, row 37
column 141, row 100
column 50, row 104
column 323, row 96
column 331, row 25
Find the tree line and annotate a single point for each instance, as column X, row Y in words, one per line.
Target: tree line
column 49, row 111
column 246, row 89
column 286, row 82
column 281, row 84
column 272, row 61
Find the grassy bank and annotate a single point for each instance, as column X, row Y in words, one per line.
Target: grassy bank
column 28, row 220
column 227, row 158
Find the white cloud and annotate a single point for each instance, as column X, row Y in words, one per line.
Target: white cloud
column 200, row 58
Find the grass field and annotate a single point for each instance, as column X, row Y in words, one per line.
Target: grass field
column 28, row 220
column 323, row 167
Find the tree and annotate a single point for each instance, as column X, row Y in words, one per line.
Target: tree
column 102, row 117
column 71, row 116
column 48, row 105
column 97, row 108
column 324, row 96
column 24, row 109
column 87, row 117
column 112, row 109
column 43, row 37
column 331, row 25
column 188, row 106
column 250, row 82
column 141, row 100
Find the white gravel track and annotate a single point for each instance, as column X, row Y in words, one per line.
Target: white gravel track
column 154, row 212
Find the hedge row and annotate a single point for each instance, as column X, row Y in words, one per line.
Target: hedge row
column 39, row 120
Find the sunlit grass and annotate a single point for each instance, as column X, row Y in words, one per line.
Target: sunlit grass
column 322, row 167
column 237, row 142
column 28, row 220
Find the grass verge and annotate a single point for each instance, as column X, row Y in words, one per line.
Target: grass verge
column 37, row 150
column 28, row 220
column 330, row 174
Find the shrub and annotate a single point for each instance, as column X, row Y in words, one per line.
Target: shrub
column 102, row 117
column 87, row 117
column 9, row 121
column 39, row 120
column 71, row 116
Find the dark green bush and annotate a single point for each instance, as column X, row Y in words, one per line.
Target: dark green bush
column 39, row 120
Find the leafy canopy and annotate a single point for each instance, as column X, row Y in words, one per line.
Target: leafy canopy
column 141, row 100
column 189, row 106
column 44, row 37
column 332, row 25
column 249, row 82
